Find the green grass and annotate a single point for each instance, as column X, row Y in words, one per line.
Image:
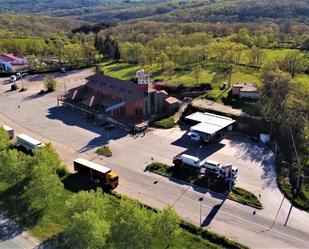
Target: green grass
column 165, row 123
column 245, row 196
column 104, row 151
column 276, row 54
column 120, row 70
column 44, row 223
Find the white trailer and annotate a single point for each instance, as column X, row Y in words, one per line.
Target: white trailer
column 28, row 142
column 9, row 130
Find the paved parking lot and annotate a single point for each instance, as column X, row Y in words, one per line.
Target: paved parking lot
column 74, row 136
column 40, row 114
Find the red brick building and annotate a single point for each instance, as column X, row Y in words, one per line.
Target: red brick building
column 103, row 96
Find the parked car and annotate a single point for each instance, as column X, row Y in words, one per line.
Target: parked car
column 187, row 160
column 109, row 127
column 12, row 78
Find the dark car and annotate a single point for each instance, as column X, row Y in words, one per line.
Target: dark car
column 109, row 127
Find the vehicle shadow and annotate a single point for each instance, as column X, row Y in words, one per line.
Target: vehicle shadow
column 193, row 148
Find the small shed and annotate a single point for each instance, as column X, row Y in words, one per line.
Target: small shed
column 172, row 103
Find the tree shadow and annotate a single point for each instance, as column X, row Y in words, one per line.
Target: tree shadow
column 57, row 241
column 76, row 183
column 9, row 229
column 256, row 152
column 25, row 213
column 119, row 67
column 35, row 96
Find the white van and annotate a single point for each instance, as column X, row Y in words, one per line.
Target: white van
column 212, row 166
column 187, row 160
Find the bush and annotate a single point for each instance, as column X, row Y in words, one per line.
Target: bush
column 14, row 87
column 104, row 151
column 62, row 171
column 50, row 84
column 158, row 167
column 245, row 196
column 166, row 123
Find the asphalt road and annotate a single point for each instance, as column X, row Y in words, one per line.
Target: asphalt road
column 13, row 237
column 39, row 117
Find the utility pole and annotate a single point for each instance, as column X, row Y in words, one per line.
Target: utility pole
column 296, row 190
column 22, row 80
column 230, row 76
column 201, row 206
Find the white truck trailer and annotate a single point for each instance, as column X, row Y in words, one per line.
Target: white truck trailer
column 28, row 142
column 9, row 130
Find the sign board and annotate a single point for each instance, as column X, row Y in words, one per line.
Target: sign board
column 114, row 107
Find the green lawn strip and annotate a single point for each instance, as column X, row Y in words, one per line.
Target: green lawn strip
column 188, row 175
column 104, row 151
column 244, row 196
column 165, row 123
column 45, row 223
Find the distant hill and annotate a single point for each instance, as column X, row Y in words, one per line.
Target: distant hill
column 164, row 10
column 12, row 25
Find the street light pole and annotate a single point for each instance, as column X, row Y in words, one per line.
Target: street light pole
column 201, row 206
column 198, row 151
column 22, row 81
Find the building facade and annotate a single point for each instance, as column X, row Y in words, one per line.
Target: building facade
column 103, row 96
column 246, row 90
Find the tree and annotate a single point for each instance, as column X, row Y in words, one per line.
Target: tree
column 48, row 155
column 256, row 56
column 293, row 62
column 84, row 200
column 305, row 44
column 44, row 184
column 50, row 83
column 166, row 226
column 87, row 231
column 196, row 73
column 4, row 139
column 132, row 228
column 243, row 37
column 13, row 165
column 259, row 39
column 276, row 84
column 169, row 67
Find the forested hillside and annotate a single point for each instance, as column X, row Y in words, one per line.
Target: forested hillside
column 26, row 26
column 165, row 10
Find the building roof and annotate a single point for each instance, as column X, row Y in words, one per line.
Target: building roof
column 10, row 58
column 128, row 91
column 171, row 100
column 93, row 165
column 209, row 123
column 247, row 87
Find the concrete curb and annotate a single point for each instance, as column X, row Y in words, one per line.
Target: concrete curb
column 206, row 190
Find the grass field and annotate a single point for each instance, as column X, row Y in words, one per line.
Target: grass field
column 46, row 222
column 214, row 74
